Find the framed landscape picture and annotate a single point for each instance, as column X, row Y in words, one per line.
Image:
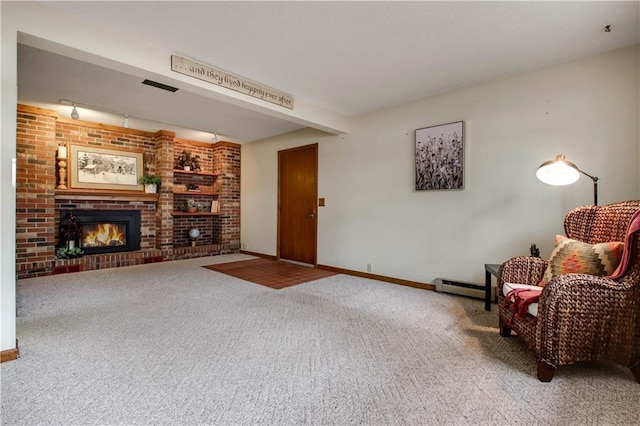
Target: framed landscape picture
column 439, row 157
column 100, row 168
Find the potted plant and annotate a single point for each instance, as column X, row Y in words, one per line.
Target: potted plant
column 150, row 183
column 188, row 161
column 534, row 250
column 184, row 161
column 190, row 206
column 68, row 253
column 195, row 163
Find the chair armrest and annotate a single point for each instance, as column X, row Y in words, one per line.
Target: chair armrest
column 585, row 317
column 522, row 270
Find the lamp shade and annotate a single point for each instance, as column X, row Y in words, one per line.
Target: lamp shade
column 558, row 172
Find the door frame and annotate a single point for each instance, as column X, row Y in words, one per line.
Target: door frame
column 315, row 189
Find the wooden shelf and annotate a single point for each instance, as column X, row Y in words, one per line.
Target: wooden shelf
column 96, row 194
column 182, row 214
column 196, row 193
column 184, row 172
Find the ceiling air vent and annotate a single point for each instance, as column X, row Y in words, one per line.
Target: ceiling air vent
column 160, row 85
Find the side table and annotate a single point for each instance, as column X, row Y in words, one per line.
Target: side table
column 489, row 270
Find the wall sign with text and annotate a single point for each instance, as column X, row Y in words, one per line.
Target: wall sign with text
column 230, row 81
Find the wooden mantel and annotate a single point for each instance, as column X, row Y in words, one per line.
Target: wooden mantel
column 96, row 195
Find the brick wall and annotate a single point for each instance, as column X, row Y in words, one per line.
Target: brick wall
column 164, row 162
column 86, row 133
column 226, row 157
column 163, row 237
column 35, row 189
column 183, row 225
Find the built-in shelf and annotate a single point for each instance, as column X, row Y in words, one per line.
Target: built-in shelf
column 184, row 172
column 196, row 193
column 195, row 214
column 97, row 195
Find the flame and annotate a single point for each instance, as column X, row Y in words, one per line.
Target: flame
column 105, row 234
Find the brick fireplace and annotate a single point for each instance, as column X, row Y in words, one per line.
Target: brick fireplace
column 100, row 231
column 42, row 207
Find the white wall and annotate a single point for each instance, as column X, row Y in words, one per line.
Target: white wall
column 8, row 72
column 586, row 109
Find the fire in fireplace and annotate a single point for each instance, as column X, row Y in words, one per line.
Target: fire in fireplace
column 103, row 234
column 102, row 231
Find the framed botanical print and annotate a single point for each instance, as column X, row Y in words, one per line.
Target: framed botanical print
column 439, row 157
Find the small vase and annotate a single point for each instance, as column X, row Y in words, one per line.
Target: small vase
column 151, row 188
column 192, row 209
column 187, row 168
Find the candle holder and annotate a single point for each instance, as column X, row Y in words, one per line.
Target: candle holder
column 62, row 172
column 62, row 166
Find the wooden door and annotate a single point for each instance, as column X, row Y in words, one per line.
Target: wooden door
column 297, row 211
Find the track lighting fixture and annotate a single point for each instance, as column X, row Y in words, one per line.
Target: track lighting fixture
column 74, row 113
column 126, row 122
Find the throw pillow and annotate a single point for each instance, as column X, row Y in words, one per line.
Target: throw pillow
column 575, row 257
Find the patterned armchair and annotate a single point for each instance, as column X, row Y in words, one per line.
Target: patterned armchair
column 581, row 317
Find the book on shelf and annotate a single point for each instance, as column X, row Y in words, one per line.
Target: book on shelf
column 215, row 206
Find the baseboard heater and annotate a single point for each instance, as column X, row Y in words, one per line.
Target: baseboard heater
column 445, row 285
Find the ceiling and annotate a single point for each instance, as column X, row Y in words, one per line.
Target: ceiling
column 347, row 57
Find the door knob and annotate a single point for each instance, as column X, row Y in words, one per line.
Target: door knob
column 312, row 214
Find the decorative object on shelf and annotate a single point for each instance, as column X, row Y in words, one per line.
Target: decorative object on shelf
column 62, row 166
column 560, row 172
column 439, row 157
column 65, row 253
column 193, row 188
column 194, row 234
column 215, row 206
column 190, row 205
column 188, row 162
column 534, row 250
column 150, row 183
column 100, row 168
column 149, row 158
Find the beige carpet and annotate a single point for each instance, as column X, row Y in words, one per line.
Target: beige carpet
column 174, row 343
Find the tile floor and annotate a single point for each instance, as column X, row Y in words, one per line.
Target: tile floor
column 270, row 273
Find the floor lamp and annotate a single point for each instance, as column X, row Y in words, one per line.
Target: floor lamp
column 563, row 172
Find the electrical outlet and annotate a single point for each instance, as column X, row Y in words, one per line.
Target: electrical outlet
column 368, row 267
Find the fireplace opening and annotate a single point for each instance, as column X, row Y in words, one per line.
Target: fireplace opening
column 101, row 231
column 103, row 234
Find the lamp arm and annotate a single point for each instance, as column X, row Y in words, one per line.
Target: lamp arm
column 593, row 178
column 595, row 186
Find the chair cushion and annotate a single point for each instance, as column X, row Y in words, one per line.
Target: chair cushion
column 532, row 309
column 575, row 257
